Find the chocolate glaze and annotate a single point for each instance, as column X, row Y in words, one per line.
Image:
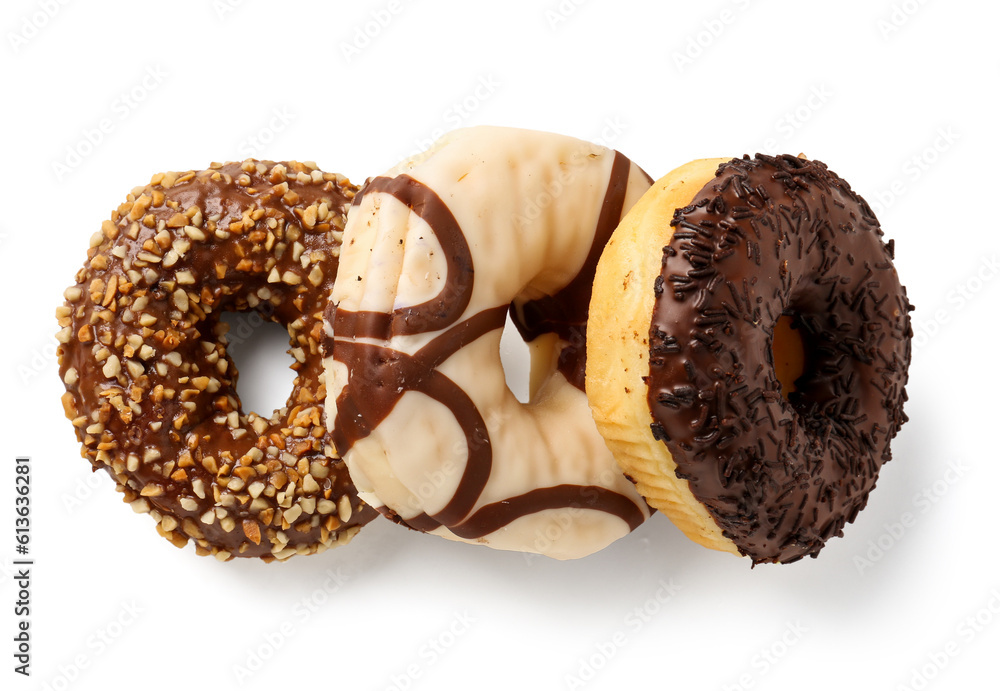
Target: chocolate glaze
column 177, row 427
column 771, row 236
column 378, row 377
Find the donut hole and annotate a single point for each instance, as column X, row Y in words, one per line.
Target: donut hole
column 789, row 354
column 254, row 346
column 515, row 358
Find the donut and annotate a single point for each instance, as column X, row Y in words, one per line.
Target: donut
column 749, row 341
column 436, row 253
column 150, row 388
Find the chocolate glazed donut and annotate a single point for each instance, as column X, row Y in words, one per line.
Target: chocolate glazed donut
column 770, row 237
column 151, row 390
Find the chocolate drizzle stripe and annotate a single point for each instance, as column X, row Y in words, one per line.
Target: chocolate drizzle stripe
column 565, row 312
column 461, row 335
column 497, row 515
column 442, row 310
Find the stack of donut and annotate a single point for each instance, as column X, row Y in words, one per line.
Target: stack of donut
column 728, row 344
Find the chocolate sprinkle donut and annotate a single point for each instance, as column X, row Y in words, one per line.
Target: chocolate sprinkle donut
column 150, row 388
column 770, row 237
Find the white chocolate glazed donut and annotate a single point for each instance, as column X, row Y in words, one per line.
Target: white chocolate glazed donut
column 434, row 254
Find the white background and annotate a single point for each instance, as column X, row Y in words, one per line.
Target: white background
column 897, row 97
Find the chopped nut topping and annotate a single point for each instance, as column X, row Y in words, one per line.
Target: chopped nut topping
column 252, row 530
column 112, row 367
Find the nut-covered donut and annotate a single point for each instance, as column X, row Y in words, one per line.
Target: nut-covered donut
column 150, row 388
column 755, row 438
column 435, row 253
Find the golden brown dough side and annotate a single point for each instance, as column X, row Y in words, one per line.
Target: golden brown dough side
column 618, row 350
